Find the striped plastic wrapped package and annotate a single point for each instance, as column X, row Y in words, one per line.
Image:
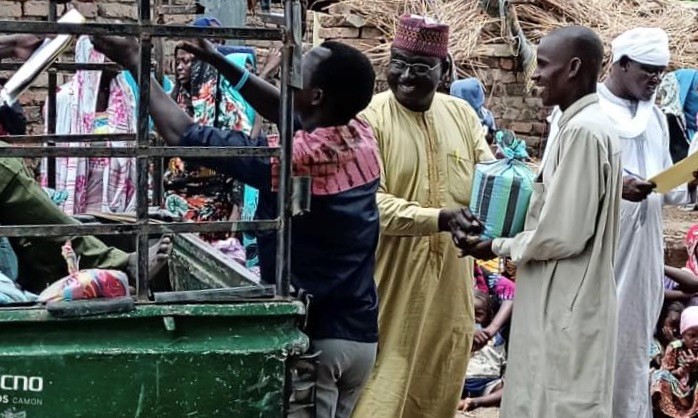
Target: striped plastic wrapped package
column 85, row 284
column 502, row 189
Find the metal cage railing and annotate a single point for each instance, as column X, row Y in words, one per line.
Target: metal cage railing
column 143, row 151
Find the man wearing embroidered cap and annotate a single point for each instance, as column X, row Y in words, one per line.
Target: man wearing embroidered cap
column 640, row 57
column 429, row 144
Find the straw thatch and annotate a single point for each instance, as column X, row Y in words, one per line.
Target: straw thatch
column 468, row 23
column 472, row 29
column 611, row 18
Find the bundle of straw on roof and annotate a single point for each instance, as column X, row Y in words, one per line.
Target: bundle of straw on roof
column 471, row 30
column 611, row 18
column 467, row 22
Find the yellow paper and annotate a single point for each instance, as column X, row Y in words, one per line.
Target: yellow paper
column 676, row 175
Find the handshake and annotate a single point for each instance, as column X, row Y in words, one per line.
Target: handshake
column 466, row 232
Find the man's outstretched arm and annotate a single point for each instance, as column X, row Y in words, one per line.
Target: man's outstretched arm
column 177, row 128
column 170, row 120
column 20, row 46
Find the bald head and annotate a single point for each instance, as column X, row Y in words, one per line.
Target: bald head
column 579, row 42
column 568, row 65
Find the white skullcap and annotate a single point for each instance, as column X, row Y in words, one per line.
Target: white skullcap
column 648, row 46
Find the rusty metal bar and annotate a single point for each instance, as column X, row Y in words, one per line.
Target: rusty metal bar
column 132, row 229
column 40, row 139
column 158, row 163
column 142, row 288
column 272, row 18
column 53, row 152
column 51, row 111
column 67, row 66
column 134, row 29
column 133, row 152
column 284, row 202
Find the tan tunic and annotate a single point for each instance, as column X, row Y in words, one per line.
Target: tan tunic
column 426, row 318
column 564, row 325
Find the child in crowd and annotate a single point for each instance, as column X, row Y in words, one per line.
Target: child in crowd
column 493, row 265
column 674, row 384
column 508, row 269
column 501, row 292
column 682, row 283
column 666, row 332
column 493, row 283
column 483, row 383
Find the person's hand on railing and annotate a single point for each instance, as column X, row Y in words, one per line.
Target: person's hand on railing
column 200, row 47
column 122, row 50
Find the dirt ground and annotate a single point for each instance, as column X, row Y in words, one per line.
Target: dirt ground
column 676, row 223
column 480, row 413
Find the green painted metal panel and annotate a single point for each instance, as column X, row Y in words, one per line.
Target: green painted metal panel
column 157, row 361
column 196, row 265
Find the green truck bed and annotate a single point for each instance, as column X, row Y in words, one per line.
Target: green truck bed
column 205, row 359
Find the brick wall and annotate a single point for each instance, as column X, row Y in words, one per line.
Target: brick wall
column 512, row 107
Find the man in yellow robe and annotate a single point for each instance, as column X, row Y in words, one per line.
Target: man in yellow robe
column 429, row 145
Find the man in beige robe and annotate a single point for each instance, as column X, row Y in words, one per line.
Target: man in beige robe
column 564, row 325
column 429, row 144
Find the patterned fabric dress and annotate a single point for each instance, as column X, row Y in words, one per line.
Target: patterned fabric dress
column 94, row 182
column 76, row 103
column 194, row 192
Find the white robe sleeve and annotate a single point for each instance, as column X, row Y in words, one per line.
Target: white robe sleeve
column 570, row 208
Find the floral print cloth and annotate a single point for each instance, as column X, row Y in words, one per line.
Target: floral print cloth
column 197, row 193
column 87, row 284
column 76, row 102
column 675, row 394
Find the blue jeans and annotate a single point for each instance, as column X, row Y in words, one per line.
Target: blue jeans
column 8, row 260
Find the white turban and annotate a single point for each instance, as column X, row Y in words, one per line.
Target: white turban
column 649, row 46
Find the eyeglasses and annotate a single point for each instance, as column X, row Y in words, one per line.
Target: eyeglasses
column 651, row 70
column 419, row 70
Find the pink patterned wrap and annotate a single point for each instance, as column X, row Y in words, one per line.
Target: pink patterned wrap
column 75, row 114
column 691, row 244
